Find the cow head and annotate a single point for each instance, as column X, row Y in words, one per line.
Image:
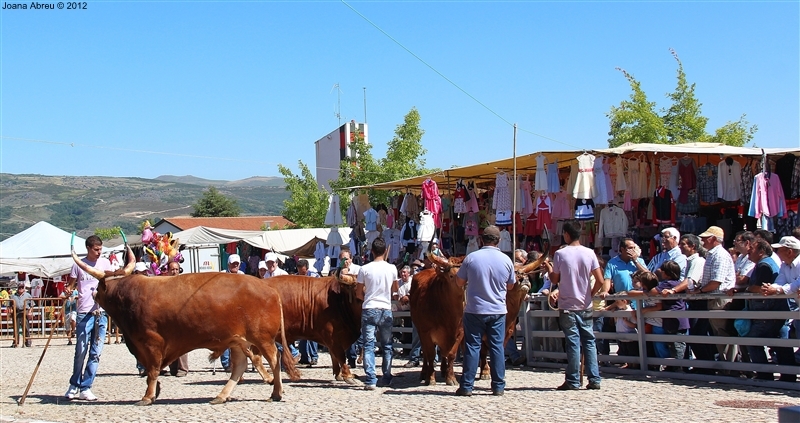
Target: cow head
column 522, row 272
column 345, row 278
column 99, row 274
column 447, row 268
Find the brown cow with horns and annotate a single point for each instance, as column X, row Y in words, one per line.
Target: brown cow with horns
column 437, row 310
column 165, row 317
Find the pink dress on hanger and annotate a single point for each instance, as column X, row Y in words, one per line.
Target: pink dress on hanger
column 433, row 203
column 472, row 203
column 527, row 207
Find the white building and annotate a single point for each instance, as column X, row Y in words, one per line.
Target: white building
column 335, row 147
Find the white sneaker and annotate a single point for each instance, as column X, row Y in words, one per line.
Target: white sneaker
column 87, row 395
column 72, row 392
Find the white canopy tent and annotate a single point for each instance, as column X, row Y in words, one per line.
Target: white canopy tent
column 42, row 249
column 278, row 241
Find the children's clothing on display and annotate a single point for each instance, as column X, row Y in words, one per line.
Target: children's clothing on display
column 527, row 208
column 544, row 212
column 767, row 198
column 471, row 224
column 334, row 238
column 371, row 220
column 613, row 222
column 662, row 205
column 652, row 183
column 426, row 230
column 609, row 185
column 505, row 244
column 707, row 183
column 584, row 182
column 601, row 194
column 729, row 180
column 553, row 184
column 502, row 197
column 636, row 179
column 503, row 218
column 747, row 182
column 459, row 203
column 371, row 236
column 584, row 209
column 687, row 174
column 472, row 245
column 409, row 207
column 572, row 180
column 621, row 184
column 561, row 209
column 334, row 214
column 540, row 184
column 392, row 238
column 362, row 204
column 433, row 203
column 472, row 201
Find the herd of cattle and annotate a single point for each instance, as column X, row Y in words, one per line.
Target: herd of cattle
column 219, row 311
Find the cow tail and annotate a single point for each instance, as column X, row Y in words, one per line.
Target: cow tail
column 286, row 356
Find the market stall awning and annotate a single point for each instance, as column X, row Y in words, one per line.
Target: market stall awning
column 485, row 172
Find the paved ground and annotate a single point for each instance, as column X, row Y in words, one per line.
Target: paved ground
column 317, row 398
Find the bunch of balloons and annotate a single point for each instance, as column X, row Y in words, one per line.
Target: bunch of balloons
column 159, row 249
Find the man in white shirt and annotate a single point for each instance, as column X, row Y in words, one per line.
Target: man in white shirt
column 376, row 281
column 271, row 261
column 788, row 280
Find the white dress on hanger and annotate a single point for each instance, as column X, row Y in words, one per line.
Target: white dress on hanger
column 472, row 245
column 426, row 230
column 334, row 215
column 540, row 183
column 502, row 196
column 621, row 184
column 505, row 242
column 584, row 181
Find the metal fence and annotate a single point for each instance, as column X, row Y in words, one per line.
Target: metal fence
column 543, row 341
column 47, row 315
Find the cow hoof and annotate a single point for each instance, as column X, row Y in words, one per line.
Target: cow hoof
column 451, row 382
column 486, row 377
column 218, row 400
column 158, row 389
column 275, row 398
column 144, row 402
column 339, row 378
column 351, row 381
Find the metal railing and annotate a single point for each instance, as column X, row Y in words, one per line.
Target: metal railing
column 544, row 341
column 47, row 315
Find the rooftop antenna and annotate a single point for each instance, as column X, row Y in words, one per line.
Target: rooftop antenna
column 365, row 104
column 338, row 111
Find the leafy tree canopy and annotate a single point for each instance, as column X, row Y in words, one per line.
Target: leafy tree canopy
column 307, row 203
column 214, row 204
column 107, row 233
column 636, row 120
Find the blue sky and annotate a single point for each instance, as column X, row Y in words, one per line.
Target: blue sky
column 230, row 89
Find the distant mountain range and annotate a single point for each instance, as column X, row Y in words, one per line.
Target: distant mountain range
column 83, row 203
column 253, row 181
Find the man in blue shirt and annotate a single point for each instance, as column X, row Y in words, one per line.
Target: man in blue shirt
column 488, row 274
column 620, row 268
column 670, row 250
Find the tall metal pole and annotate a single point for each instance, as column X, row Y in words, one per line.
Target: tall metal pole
column 365, row 104
column 514, row 203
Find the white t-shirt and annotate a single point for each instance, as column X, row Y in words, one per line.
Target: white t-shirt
column 278, row 272
column 377, row 278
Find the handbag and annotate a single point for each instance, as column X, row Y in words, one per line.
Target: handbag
column 742, row 326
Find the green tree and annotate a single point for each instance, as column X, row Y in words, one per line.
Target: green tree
column 683, row 120
column 307, row 202
column 107, row 233
column 214, row 204
column 635, row 120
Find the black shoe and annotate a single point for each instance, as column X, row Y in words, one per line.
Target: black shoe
column 28, row 344
column 498, row 393
column 519, row 361
column 567, row 387
column 351, row 363
column 593, row 385
column 304, row 362
column 383, row 383
column 461, row 392
column 312, row 362
column 411, row 363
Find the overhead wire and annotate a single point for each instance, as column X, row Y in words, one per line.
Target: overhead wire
column 421, row 60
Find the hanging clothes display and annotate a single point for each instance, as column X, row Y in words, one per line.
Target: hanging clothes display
column 572, row 180
column 613, row 223
column 432, row 201
column 553, row 184
column 426, row 230
column 664, row 171
column 601, row 194
column 334, row 214
column 319, row 256
column 392, row 238
column 784, row 168
column 505, row 244
column 707, row 183
column 540, row 182
column 502, row 197
column 459, row 203
column 371, row 220
column 687, row 178
column 409, row 207
column 584, row 209
column 609, row 185
column 584, row 182
column 767, row 198
column 636, row 181
column 471, row 224
column 334, row 237
column 662, row 205
column 527, row 207
column 561, row 209
column 371, row 236
column 362, row 204
column 472, row 198
column 652, row 171
column 544, row 212
column 621, row 184
column 729, row 180
column 747, row 181
column 408, row 236
column 503, row 218
column 472, row 245
column 520, row 200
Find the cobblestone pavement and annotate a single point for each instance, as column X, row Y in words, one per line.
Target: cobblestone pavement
column 530, row 396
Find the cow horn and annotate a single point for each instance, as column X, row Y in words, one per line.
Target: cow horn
column 440, row 261
column 97, row 274
column 346, row 278
column 131, row 261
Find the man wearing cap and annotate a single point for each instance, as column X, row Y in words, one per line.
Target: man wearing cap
column 719, row 276
column 23, row 313
column 272, row 270
column 140, row 268
column 571, row 271
column 92, row 322
column 234, row 261
column 488, row 274
column 669, row 239
column 788, row 280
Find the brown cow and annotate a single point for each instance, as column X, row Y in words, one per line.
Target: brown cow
column 437, row 308
column 324, row 310
column 165, row 317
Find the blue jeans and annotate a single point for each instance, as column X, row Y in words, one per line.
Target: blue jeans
column 416, row 347
column 308, row 351
column 511, row 349
column 225, row 358
column 577, row 328
column 377, row 321
column 769, row 329
column 89, row 340
column 475, row 326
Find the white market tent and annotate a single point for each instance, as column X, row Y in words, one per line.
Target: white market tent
column 42, row 249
